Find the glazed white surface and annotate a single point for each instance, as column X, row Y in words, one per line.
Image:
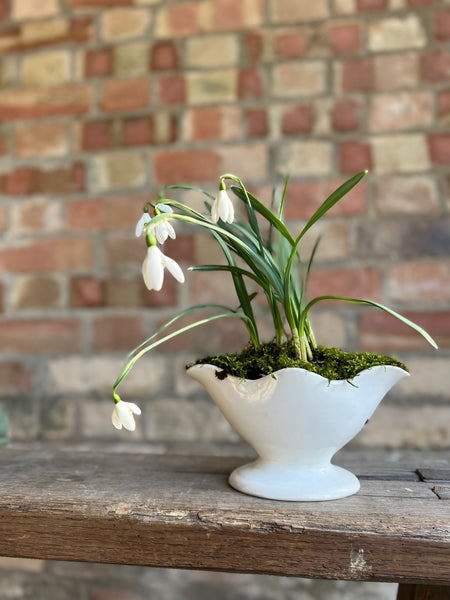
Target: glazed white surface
column 296, row 421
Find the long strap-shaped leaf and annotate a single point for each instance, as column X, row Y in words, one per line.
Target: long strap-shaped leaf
column 229, row 268
column 146, row 349
column 323, row 208
column 186, row 186
column 178, row 316
column 252, row 220
column 241, row 290
column 266, row 213
column 241, row 248
column 411, row 324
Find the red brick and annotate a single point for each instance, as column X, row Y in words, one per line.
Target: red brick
column 3, row 146
column 164, row 56
column 127, row 292
column 186, row 165
column 426, row 281
column 364, row 5
column 363, row 283
column 379, row 331
column 358, row 75
column 181, row 249
column 172, row 89
column 444, row 105
column 254, row 45
column 415, row 3
column 18, row 182
column 167, row 296
column 28, row 180
column 206, row 123
column 345, row 115
column 137, row 132
column 15, row 378
column 297, row 119
column 303, row 199
column 41, row 140
column 112, row 333
column 97, row 135
column 345, row 38
column 48, row 255
column 354, row 156
column 124, row 250
column 43, row 102
column 106, row 213
column 442, row 25
column 99, row 3
column 16, row 38
column 183, row 18
column 4, row 9
column 436, row 66
column 250, row 84
column 291, row 45
column 98, row 63
column 228, row 15
column 52, row 336
column 439, row 145
column 86, row 292
column 256, row 122
column 124, row 94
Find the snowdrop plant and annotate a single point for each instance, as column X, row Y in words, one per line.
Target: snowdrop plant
column 258, row 249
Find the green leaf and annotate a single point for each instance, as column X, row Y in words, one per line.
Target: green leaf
column 323, row 208
column 148, row 347
column 331, row 201
column 241, row 290
column 266, row 213
column 186, row 186
column 398, row 316
column 229, row 268
column 181, row 314
column 283, row 197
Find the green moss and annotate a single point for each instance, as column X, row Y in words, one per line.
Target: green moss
column 332, row 363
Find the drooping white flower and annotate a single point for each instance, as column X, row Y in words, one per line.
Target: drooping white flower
column 222, row 208
column 161, row 230
column 153, row 268
column 123, row 415
column 140, row 225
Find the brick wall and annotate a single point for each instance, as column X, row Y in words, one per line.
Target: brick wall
column 103, row 100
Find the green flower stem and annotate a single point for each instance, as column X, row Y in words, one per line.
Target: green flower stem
column 299, row 350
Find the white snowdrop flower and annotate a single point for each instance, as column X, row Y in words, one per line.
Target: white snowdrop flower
column 163, row 230
column 140, row 225
column 222, row 208
column 123, row 415
column 153, row 268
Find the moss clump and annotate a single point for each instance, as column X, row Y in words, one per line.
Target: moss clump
column 332, row 363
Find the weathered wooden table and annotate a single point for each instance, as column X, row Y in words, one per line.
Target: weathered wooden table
column 178, row 511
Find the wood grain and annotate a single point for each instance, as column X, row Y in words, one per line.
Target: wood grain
column 423, row 592
column 178, row 511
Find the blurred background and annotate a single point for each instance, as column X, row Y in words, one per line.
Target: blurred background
column 101, row 102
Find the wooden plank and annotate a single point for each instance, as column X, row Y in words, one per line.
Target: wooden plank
column 172, row 512
column 434, row 474
column 423, row 592
column 442, row 492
